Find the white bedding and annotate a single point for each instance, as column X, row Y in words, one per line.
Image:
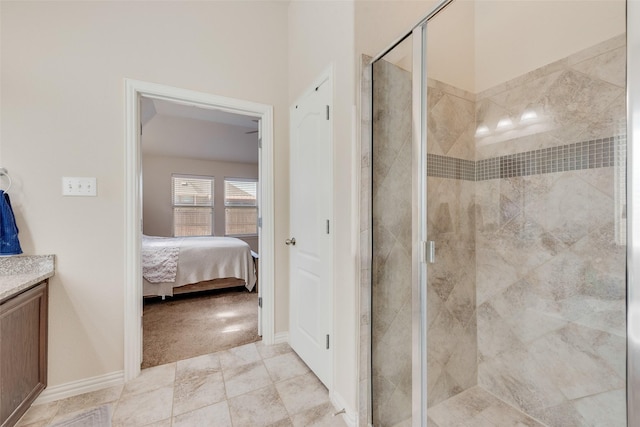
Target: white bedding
column 200, row 259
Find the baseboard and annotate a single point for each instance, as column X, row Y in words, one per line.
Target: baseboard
column 349, row 416
column 281, row 337
column 75, row 388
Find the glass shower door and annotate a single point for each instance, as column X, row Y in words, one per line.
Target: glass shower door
column 526, row 141
column 450, row 197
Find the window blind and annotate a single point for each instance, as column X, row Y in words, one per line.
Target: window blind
column 240, row 192
column 191, row 191
column 241, row 207
column 192, row 199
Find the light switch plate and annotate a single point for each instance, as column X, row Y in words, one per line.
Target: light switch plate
column 79, row 186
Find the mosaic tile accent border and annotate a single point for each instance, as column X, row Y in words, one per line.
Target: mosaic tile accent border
column 597, row 153
column 450, row 167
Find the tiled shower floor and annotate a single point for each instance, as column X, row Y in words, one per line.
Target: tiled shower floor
column 477, row 408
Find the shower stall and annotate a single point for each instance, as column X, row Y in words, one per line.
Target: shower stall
column 496, row 226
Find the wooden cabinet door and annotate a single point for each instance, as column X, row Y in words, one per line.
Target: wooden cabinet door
column 23, row 352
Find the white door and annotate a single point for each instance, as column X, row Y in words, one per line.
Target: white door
column 311, row 242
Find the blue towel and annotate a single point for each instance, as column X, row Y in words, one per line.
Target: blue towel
column 9, row 243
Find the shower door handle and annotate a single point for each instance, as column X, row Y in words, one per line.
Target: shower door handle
column 431, row 252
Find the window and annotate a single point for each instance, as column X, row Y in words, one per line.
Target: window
column 241, row 206
column 192, row 205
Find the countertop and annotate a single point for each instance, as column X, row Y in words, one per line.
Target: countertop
column 20, row 272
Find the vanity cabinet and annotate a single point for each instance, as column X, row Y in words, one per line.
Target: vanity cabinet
column 23, row 351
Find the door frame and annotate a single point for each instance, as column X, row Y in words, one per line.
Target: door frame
column 134, row 89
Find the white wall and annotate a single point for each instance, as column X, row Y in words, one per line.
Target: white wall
column 379, row 23
column 515, row 37
column 321, row 34
column 451, row 46
column 503, row 31
column 62, row 114
column 157, row 212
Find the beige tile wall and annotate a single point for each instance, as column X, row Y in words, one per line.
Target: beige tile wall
column 391, row 250
column 579, row 98
column 364, row 384
column 551, row 252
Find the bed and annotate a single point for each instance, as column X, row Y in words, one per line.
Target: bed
column 172, row 265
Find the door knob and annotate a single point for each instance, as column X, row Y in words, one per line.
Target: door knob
column 291, row 241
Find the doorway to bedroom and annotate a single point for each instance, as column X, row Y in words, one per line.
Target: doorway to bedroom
column 200, row 243
column 199, row 182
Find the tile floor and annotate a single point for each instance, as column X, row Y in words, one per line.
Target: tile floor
column 252, row 385
column 477, row 408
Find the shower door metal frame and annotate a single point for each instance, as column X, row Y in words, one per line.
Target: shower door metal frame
column 633, row 213
column 419, row 210
column 419, row 225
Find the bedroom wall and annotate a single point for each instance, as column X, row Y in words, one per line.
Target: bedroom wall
column 157, row 213
column 62, row 114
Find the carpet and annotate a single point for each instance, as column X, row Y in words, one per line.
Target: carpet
column 96, row 417
column 189, row 325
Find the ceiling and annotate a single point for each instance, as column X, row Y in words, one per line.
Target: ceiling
column 173, row 129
